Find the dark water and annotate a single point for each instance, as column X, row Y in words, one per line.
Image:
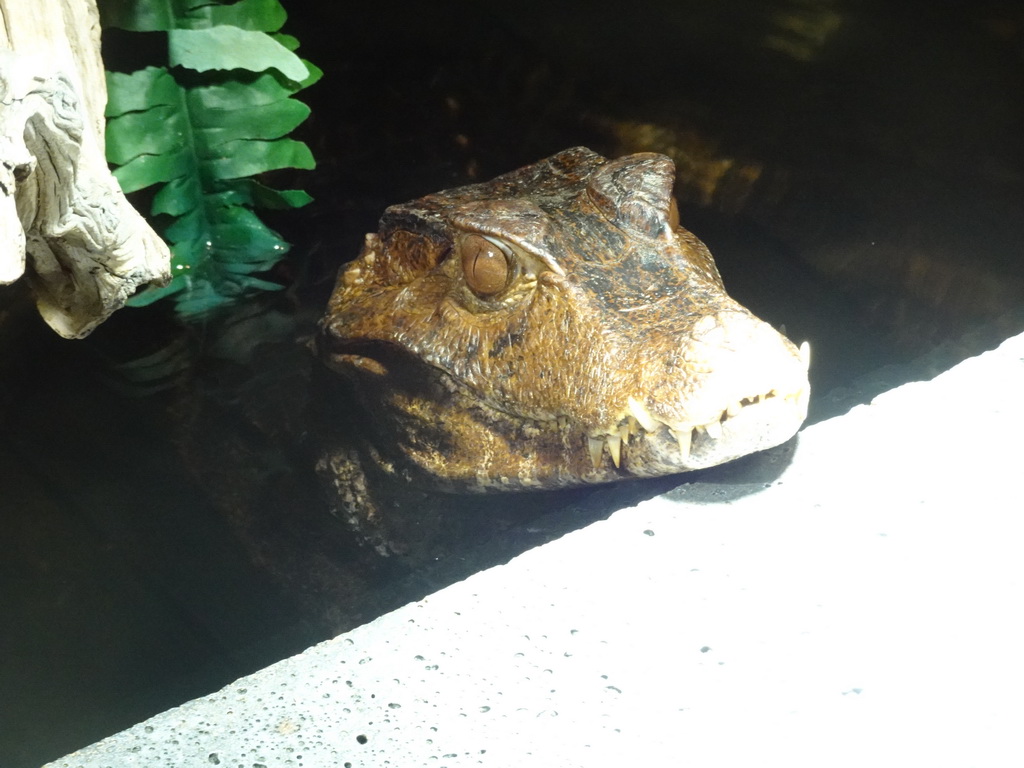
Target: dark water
column 120, row 588
column 146, row 558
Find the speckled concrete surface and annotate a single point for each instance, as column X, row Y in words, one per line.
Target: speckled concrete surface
column 854, row 599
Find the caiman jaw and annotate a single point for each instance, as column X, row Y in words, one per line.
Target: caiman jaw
column 639, row 423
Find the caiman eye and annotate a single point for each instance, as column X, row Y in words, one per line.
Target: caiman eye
column 485, row 265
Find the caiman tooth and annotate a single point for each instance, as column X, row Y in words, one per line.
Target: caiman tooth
column 642, row 415
column 805, row 355
column 596, row 447
column 627, row 428
column 714, row 429
column 614, row 448
column 682, row 436
column 733, row 409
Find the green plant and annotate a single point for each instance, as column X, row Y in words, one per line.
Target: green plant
column 216, row 116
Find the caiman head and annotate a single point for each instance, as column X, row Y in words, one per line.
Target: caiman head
column 554, row 327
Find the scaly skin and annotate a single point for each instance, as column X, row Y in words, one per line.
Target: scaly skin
column 550, row 328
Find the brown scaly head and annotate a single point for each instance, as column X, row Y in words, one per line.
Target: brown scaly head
column 553, row 327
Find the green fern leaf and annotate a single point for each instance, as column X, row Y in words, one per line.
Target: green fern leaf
column 141, row 90
column 146, row 170
column 225, row 47
column 162, row 15
column 247, row 158
column 204, row 143
column 178, row 197
column 258, row 15
column 265, row 121
column 255, row 195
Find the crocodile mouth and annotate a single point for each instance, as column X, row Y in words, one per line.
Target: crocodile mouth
column 759, row 420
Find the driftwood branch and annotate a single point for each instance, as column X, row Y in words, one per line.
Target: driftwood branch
column 64, row 222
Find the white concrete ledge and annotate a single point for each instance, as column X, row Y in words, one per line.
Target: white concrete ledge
column 861, row 607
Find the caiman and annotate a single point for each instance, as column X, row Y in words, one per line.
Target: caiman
column 553, row 327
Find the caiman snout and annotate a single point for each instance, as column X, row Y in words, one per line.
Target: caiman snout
column 732, row 386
